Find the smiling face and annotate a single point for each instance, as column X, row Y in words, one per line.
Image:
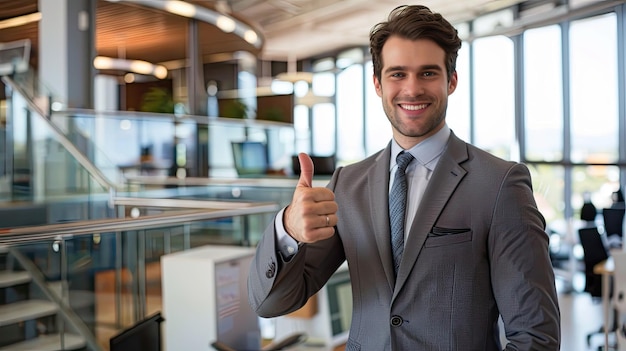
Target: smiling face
column 414, row 88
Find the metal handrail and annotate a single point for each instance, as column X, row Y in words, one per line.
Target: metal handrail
column 172, row 117
column 262, row 182
column 196, row 211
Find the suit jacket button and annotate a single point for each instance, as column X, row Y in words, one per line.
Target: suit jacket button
column 271, row 270
column 396, row 321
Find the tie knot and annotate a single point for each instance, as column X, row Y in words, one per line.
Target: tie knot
column 403, row 159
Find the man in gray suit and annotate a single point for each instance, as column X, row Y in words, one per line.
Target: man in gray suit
column 475, row 247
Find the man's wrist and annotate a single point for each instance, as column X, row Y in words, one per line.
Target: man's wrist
column 287, row 245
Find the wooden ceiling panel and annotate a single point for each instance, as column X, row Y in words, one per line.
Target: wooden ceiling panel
column 13, row 8
column 135, row 32
column 125, row 30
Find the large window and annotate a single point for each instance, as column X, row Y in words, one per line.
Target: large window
column 323, row 123
column 494, row 95
column 548, row 187
column 543, row 94
column 594, row 89
column 350, row 114
column 377, row 127
column 568, row 93
column 458, row 114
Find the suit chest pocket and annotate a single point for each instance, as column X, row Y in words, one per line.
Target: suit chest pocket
column 445, row 236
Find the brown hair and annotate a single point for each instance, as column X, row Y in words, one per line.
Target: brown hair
column 415, row 22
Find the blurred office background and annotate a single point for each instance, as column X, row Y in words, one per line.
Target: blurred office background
column 108, row 106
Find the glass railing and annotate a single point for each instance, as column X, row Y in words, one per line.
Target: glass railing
column 274, row 189
column 86, row 282
column 139, row 143
column 47, row 169
column 44, row 98
column 72, row 163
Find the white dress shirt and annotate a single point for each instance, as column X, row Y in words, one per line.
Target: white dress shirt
column 419, row 171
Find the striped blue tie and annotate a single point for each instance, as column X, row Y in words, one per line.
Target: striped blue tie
column 397, row 208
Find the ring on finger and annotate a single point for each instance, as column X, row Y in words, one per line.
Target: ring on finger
column 327, row 221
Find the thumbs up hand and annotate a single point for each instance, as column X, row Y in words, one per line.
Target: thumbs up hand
column 312, row 214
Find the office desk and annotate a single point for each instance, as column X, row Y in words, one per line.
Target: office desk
column 606, row 269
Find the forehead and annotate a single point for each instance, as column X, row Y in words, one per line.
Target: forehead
column 399, row 51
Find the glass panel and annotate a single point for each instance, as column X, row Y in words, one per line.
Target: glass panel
column 324, row 129
column 494, row 94
column 323, row 122
column 222, row 160
column 543, row 94
column 350, row 115
column 56, row 172
column 458, row 114
column 302, row 130
column 324, row 84
column 599, row 182
column 377, row 127
column 124, row 145
column 548, row 188
column 55, row 292
column 4, row 158
column 594, row 90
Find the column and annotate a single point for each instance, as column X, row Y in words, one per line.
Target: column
column 67, row 50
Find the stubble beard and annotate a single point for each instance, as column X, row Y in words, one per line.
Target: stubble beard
column 414, row 132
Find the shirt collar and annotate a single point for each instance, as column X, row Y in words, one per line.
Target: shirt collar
column 426, row 152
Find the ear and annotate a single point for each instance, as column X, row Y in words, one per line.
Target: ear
column 379, row 88
column 454, row 79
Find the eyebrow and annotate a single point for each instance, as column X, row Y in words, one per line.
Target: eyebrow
column 421, row 68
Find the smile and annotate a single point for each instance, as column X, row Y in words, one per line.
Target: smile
column 413, row 107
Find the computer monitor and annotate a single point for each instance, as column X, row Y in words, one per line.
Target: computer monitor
column 250, row 157
column 14, row 57
column 322, row 165
column 145, row 336
column 339, row 296
column 330, row 325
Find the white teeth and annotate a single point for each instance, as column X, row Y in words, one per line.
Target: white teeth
column 413, row 107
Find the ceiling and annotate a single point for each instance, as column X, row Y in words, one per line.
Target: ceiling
column 292, row 29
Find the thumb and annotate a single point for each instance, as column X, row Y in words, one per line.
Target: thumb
column 306, row 170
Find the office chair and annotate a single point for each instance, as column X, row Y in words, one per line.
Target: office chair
column 588, row 212
column 613, row 221
column 594, row 252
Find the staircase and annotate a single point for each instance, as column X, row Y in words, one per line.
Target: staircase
column 28, row 320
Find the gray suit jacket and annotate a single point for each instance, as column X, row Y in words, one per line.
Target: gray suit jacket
column 477, row 249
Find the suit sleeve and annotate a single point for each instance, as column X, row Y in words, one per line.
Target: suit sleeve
column 522, row 273
column 278, row 285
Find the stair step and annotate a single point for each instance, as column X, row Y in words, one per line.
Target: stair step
column 8, row 278
column 25, row 310
column 48, row 342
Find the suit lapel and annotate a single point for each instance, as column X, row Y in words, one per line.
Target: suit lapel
column 378, row 187
column 443, row 182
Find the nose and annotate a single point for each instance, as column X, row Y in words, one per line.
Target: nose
column 412, row 86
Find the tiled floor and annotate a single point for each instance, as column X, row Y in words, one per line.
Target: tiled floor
column 580, row 315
